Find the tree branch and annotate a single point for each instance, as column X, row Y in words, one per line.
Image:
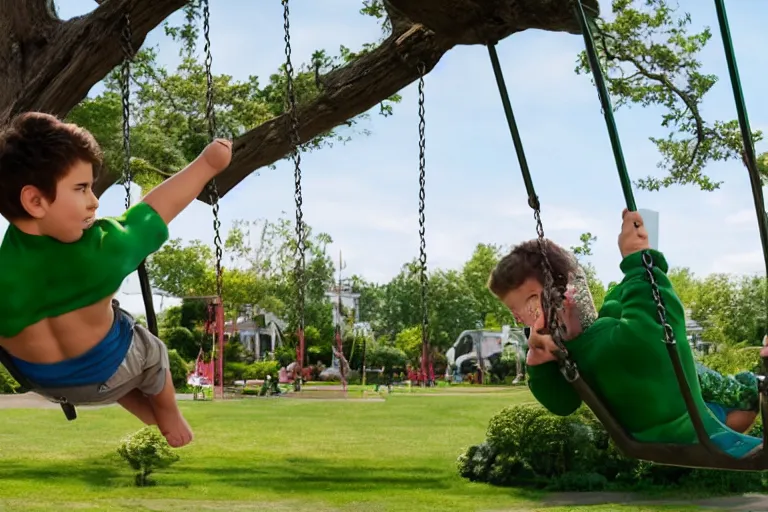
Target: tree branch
column 690, row 103
column 489, row 21
column 361, row 85
column 73, row 55
column 348, row 91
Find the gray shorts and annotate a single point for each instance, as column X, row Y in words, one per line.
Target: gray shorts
column 144, row 368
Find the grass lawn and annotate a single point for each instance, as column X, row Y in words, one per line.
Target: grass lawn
column 268, row 454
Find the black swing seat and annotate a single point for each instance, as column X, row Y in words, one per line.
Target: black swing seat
column 704, row 454
column 26, row 386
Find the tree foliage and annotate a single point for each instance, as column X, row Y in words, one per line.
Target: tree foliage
column 652, row 59
column 258, row 270
column 596, row 287
column 169, row 122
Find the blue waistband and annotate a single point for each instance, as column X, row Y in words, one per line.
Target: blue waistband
column 94, row 367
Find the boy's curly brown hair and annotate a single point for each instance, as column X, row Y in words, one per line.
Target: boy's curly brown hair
column 525, row 261
column 38, row 149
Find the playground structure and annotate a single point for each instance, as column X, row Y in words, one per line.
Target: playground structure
column 210, row 374
column 475, row 350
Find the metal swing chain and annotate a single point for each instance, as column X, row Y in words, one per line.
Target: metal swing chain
column 296, row 156
column 126, row 40
column 669, row 335
column 210, row 115
column 422, row 229
column 552, row 300
column 125, row 89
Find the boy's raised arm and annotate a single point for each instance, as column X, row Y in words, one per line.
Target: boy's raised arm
column 172, row 196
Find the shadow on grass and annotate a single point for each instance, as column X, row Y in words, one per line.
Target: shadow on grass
column 307, row 475
column 106, row 471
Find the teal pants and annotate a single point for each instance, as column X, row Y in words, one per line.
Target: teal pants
column 724, row 394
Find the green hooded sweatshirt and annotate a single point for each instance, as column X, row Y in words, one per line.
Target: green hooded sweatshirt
column 623, row 358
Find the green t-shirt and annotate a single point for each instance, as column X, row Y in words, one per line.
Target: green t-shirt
column 43, row 277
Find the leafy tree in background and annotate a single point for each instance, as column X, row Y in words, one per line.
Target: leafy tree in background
column 596, row 287
column 653, row 60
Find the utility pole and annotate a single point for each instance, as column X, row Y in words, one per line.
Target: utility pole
column 339, row 343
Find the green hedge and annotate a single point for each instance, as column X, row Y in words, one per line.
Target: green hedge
column 526, row 446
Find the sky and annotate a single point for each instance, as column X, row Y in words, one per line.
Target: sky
column 365, row 193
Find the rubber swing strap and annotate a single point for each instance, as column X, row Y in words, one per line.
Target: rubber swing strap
column 533, row 199
column 605, row 102
column 626, row 185
column 754, row 177
column 750, row 159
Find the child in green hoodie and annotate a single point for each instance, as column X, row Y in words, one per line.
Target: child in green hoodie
column 620, row 351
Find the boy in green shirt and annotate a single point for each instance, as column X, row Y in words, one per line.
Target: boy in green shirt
column 62, row 267
column 620, row 352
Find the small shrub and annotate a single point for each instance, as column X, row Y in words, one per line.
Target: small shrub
column 560, row 445
column 285, row 355
column 146, row 451
column 509, row 470
column 510, row 428
column 475, row 463
column 234, row 371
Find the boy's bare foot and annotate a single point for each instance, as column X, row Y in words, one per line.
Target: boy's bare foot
column 174, row 427
column 169, row 419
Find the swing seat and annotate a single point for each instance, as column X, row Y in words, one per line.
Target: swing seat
column 26, row 386
column 704, row 454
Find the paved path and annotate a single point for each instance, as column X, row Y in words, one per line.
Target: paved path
column 744, row 503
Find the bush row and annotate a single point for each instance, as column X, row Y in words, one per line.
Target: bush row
column 526, row 446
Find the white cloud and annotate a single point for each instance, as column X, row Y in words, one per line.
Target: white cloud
column 553, row 217
column 741, row 217
column 748, row 262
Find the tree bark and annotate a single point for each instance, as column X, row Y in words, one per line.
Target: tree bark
column 50, row 65
column 489, row 21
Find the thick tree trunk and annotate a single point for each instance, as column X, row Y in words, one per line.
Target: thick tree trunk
column 50, row 65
